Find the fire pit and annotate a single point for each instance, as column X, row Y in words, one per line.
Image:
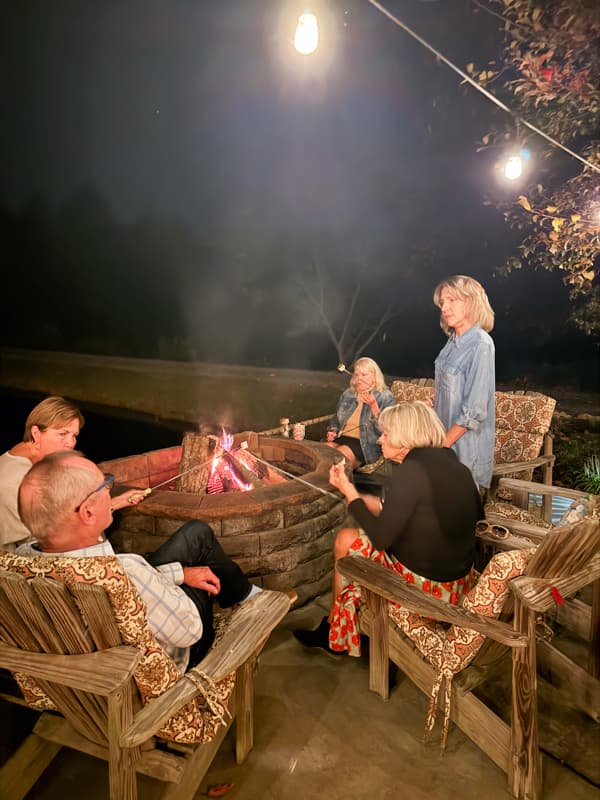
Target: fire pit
column 281, row 534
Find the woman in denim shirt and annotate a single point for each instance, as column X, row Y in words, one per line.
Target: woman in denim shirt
column 465, row 377
column 353, row 428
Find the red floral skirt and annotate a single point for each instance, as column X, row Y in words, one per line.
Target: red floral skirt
column 344, row 633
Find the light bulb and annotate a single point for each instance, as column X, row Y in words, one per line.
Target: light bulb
column 306, row 39
column 513, row 168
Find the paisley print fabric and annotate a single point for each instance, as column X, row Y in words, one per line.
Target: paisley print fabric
column 156, row 672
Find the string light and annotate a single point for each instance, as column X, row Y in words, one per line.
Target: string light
column 513, row 168
column 481, row 89
column 306, row 38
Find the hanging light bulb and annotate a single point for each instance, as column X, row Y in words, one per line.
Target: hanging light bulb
column 513, row 168
column 306, row 39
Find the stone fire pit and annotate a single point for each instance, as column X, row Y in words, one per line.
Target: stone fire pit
column 280, row 535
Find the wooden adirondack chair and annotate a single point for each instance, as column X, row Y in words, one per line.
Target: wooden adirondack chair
column 523, row 441
column 73, row 631
column 521, row 583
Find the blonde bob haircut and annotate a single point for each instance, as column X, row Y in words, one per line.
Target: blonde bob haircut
column 412, row 425
column 368, row 363
column 472, row 292
column 53, row 412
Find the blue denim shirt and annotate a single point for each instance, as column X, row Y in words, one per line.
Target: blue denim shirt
column 369, row 430
column 465, row 385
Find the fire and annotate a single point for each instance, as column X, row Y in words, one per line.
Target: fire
column 224, row 474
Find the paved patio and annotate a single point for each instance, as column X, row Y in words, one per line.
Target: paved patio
column 320, row 733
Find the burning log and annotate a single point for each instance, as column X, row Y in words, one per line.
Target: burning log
column 196, row 451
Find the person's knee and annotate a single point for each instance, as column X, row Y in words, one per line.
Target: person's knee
column 343, row 540
column 195, row 529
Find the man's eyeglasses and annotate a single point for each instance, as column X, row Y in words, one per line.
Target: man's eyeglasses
column 107, row 483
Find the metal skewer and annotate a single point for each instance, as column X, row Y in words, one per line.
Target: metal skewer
column 142, row 495
column 300, row 480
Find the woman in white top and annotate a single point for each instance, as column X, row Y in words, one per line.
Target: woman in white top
column 54, row 424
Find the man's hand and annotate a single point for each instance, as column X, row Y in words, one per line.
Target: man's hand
column 202, row 578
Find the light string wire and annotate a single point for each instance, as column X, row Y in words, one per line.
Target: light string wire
column 480, row 88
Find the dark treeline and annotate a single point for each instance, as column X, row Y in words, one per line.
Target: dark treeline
column 78, row 280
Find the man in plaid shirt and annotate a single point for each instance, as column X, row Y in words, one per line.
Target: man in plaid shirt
column 65, row 502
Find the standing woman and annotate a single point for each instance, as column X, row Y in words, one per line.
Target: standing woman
column 465, row 374
column 353, row 429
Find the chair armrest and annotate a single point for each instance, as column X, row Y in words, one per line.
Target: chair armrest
column 250, row 625
column 543, row 488
column 388, row 584
column 517, row 528
column 102, row 672
column 521, row 466
column 536, row 593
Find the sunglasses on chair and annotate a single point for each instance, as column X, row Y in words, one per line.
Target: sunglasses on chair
column 497, row 531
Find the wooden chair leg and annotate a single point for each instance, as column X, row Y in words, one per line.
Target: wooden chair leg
column 379, row 645
column 244, row 715
column 24, row 767
column 525, row 768
column 122, row 777
column 547, row 479
column 594, row 656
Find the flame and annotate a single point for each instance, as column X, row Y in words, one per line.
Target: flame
column 225, row 444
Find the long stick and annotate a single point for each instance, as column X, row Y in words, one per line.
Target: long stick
column 151, row 489
column 300, row 480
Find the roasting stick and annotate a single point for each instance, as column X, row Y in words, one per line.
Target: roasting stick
column 143, row 494
column 300, row 480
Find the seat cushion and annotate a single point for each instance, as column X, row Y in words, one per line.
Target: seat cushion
column 155, row 672
column 451, row 649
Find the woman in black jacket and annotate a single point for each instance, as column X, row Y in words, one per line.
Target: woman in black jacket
column 424, row 529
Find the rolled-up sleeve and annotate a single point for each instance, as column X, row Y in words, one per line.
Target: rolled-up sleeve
column 478, row 378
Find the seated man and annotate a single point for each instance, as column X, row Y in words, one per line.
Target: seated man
column 64, row 500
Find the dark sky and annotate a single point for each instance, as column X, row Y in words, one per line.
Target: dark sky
column 201, row 115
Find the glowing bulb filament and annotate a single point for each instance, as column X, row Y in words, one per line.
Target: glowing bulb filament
column 513, row 168
column 306, row 39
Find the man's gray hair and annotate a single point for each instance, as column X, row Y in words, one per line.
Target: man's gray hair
column 50, row 491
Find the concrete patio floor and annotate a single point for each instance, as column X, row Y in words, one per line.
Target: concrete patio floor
column 319, row 732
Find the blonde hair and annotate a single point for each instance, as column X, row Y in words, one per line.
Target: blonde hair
column 50, row 491
column 52, row 413
column 368, row 363
column 412, row 425
column 472, row 292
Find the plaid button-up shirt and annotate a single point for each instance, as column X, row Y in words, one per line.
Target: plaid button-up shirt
column 172, row 616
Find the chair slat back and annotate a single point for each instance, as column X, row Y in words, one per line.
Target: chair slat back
column 565, row 550
column 43, row 615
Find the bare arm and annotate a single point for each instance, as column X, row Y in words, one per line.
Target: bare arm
column 454, row 433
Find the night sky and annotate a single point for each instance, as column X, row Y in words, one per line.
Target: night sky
column 172, row 168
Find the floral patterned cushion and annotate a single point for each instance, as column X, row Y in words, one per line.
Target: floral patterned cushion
column 407, row 391
column 521, row 423
column 522, row 420
column 155, row 672
column 451, row 649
